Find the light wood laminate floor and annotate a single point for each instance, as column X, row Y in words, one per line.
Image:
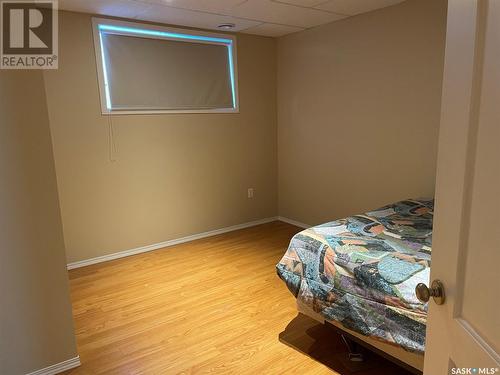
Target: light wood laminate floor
column 214, row 305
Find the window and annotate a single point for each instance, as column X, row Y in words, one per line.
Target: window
column 151, row 69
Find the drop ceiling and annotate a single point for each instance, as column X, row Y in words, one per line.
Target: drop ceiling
column 272, row 18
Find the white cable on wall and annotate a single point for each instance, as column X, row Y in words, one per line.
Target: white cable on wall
column 112, row 143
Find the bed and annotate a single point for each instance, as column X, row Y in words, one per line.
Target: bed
column 359, row 273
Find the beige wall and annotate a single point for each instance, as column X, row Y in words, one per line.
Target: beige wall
column 36, row 328
column 358, row 115
column 175, row 175
column 358, row 111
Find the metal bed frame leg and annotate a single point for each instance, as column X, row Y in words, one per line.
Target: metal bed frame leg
column 354, row 350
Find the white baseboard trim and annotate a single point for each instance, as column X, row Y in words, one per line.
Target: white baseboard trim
column 293, row 222
column 58, row 367
column 156, row 246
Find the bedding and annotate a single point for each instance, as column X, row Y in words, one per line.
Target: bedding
column 362, row 271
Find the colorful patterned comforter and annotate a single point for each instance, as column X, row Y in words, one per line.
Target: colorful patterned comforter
column 362, row 271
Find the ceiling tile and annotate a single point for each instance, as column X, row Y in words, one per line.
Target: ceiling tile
column 117, row 8
column 351, row 7
column 210, row 6
column 184, row 17
column 283, row 14
column 271, row 29
column 302, row 3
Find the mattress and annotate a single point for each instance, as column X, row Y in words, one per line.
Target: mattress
column 361, row 271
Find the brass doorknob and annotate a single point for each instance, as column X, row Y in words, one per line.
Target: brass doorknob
column 436, row 291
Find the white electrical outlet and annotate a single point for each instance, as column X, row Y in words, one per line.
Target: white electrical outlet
column 250, row 193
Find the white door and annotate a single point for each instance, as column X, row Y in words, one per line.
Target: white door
column 463, row 334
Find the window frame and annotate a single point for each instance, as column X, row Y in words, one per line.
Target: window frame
column 118, row 27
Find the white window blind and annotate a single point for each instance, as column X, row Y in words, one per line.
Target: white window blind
column 147, row 70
